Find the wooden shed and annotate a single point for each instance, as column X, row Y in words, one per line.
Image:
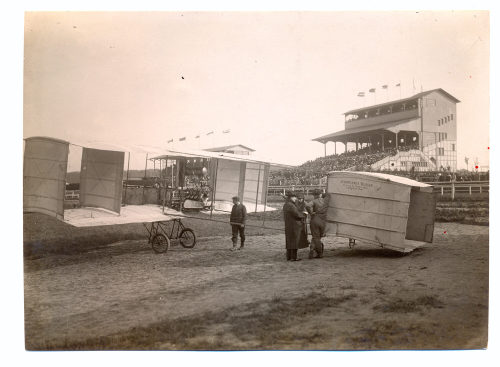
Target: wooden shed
column 390, row 211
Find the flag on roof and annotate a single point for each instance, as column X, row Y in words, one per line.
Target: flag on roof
column 372, row 90
column 361, row 94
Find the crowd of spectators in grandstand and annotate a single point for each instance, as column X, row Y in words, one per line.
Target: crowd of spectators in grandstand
column 311, row 172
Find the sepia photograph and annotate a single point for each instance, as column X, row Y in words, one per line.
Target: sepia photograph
column 256, row 180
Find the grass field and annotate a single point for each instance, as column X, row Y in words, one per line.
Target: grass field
column 104, row 288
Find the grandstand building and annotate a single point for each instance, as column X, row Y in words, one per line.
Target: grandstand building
column 420, row 132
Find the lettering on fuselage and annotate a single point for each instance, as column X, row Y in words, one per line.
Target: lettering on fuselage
column 356, row 185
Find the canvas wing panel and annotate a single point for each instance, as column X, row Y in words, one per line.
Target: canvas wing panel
column 367, row 187
column 369, row 205
column 394, row 240
column 44, row 176
column 364, row 219
column 101, row 179
column 421, row 216
column 368, row 209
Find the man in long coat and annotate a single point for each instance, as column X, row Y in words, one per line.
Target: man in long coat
column 293, row 227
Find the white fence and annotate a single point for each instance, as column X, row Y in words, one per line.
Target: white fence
column 442, row 188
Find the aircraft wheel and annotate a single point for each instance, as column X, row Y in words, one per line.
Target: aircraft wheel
column 188, row 238
column 160, row 243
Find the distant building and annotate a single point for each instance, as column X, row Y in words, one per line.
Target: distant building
column 233, row 149
column 422, row 127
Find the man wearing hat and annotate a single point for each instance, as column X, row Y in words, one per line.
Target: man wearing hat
column 318, row 209
column 302, row 208
column 237, row 221
column 293, row 227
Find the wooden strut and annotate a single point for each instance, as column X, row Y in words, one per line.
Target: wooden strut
column 265, row 200
column 145, row 174
column 126, row 183
column 164, row 184
column 214, row 187
column 257, row 195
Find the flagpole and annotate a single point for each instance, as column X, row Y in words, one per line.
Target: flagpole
column 374, row 91
column 399, row 86
column 211, row 133
column 386, row 87
column 362, row 95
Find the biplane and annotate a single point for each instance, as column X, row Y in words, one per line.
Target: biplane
column 189, row 180
column 389, row 211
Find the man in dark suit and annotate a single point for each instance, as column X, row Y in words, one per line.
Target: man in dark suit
column 237, row 220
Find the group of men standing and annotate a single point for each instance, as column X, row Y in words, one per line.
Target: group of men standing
column 295, row 212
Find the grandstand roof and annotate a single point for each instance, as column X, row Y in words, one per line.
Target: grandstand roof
column 227, row 147
column 422, row 94
column 357, row 130
column 193, row 153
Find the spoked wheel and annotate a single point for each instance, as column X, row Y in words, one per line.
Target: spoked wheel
column 187, row 238
column 160, row 243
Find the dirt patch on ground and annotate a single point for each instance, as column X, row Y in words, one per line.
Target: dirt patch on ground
column 124, row 296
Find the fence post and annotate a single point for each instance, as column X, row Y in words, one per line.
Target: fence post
column 480, row 188
column 452, row 191
column 470, row 190
column 442, row 190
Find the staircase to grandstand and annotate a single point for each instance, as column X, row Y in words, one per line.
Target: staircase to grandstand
column 405, row 161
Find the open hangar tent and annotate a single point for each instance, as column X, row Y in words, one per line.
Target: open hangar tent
column 231, row 175
column 390, row 211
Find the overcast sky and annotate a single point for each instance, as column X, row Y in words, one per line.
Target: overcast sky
column 275, row 80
